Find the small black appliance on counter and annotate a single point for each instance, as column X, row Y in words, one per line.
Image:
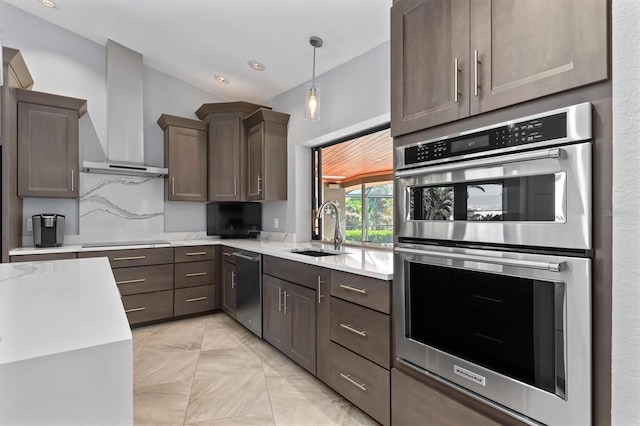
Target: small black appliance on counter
column 234, row 220
column 48, row 230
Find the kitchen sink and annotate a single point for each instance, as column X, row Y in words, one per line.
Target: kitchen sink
column 317, row 252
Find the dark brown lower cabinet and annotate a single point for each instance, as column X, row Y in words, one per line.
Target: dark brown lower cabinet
column 148, row 306
column 361, row 382
column 300, row 323
column 289, row 320
column 273, row 320
column 42, row 257
column 192, row 300
column 229, row 288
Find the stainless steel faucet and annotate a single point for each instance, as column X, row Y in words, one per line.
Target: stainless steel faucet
column 338, row 238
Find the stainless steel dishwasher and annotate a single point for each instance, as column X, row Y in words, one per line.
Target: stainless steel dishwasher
column 249, row 290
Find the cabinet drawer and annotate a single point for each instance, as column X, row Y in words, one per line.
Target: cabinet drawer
column 227, row 254
column 143, row 279
column 195, row 253
column 362, row 330
column 288, row 270
column 42, row 257
column 194, row 299
column 148, row 306
column 362, row 382
column 365, row 291
column 134, row 257
column 195, row 273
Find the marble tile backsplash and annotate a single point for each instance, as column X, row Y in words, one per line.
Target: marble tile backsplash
column 120, row 208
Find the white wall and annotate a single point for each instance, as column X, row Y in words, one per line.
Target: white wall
column 355, row 96
column 625, row 398
column 64, row 63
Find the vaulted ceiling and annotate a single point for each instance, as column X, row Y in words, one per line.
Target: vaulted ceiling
column 193, row 40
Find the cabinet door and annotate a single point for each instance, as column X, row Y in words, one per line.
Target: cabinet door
column 273, row 319
column 255, row 175
column 428, row 37
column 300, row 312
column 47, row 151
column 187, row 163
column 229, row 288
column 532, row 48
column 225, row 143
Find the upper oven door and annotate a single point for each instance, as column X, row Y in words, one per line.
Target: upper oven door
column 538, row 198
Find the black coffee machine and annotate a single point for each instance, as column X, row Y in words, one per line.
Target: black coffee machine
column 48, row 230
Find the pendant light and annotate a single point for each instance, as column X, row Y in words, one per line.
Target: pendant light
column 312, row 93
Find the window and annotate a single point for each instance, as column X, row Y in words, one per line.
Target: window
column 357, row 174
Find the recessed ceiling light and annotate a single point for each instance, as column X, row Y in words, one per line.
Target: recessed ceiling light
column 48, row 3
column 258, row 66
column 221, row 79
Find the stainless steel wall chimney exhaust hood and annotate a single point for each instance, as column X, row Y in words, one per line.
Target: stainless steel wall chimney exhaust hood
column 125, row 139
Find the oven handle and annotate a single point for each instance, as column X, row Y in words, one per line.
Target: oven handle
column 528, row 264
column 492, row 161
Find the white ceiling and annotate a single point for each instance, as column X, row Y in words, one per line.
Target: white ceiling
column 194, row 39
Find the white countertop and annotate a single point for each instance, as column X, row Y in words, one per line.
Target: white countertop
column 371, row 262
column 54, row 307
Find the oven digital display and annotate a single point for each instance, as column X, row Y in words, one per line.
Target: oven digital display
column 470, row 144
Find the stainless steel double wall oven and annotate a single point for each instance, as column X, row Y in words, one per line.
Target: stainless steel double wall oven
column 493, row 263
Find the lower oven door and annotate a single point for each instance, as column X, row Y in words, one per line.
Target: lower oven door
column 511, row 328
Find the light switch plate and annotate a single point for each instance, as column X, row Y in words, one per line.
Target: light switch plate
column 275, row 223
column 29, row 224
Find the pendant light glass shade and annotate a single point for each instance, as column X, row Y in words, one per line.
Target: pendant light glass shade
column 312, row 90
column 312, row 102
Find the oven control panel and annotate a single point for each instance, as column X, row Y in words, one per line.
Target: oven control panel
column 504, row 136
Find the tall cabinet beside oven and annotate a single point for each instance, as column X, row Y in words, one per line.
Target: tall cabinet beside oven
column 452, row 59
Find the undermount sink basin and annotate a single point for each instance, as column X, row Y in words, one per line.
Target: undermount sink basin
column 316, row 252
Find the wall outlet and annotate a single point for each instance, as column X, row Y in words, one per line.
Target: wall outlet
column 30, row 224
column 275, row 223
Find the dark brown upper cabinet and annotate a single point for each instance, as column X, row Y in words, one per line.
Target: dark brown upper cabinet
column 455, row 58
column 16, row 76
column 267, row 155
column 429, row 51
column 185, row 155
column 227, row 149
column 48, row 144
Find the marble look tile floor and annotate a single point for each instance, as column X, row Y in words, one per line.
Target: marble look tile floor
column 211, row 371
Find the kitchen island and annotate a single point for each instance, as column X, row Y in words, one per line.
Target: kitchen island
column 65, row 345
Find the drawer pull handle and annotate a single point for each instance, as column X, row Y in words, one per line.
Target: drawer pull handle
column 226, row 254
column 130, row 258
column 348, row 378
column 353, row 330
column 139, row 280
column 197, row 253
column 197, row 299
column 354, row 289
column 196, row 274
column 126, row 311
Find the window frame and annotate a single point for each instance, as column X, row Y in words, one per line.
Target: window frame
column 316, row 184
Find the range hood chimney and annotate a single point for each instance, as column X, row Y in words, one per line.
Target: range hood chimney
column 125, row 139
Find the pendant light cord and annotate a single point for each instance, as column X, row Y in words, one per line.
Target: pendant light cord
column 313, row 79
